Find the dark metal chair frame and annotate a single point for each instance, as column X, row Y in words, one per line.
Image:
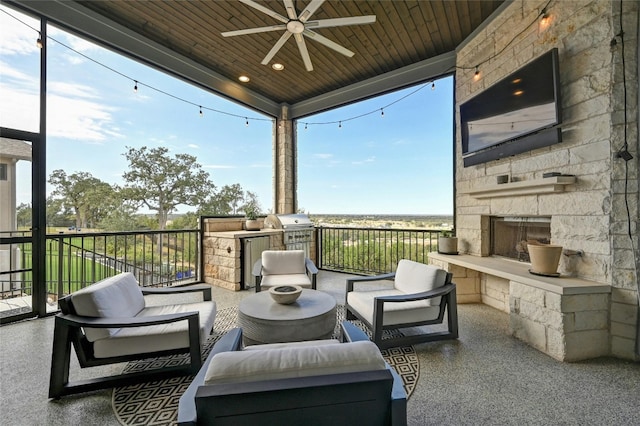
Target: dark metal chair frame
column 448, row 303
column 68, row 330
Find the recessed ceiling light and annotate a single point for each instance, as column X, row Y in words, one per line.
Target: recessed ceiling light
column 277, row 66
column 244, row 78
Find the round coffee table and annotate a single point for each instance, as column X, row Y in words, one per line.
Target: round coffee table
column 311, row 317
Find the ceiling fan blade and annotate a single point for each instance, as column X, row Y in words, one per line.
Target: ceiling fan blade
column 276, row 47
column 338, row 22
column 253, row 30
column 330, row 44
column 309, row 10
column 291, row 10
column 302, row 47
column 265, row 10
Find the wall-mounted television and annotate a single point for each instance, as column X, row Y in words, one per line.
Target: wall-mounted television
column 517, row 114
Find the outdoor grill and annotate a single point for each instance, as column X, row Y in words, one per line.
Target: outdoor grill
column 297, row 230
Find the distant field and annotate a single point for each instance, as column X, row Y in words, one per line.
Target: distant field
column 436, row 222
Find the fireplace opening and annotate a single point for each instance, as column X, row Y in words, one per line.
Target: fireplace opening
column 510, row 235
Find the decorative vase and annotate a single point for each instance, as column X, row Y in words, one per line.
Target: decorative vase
column 544, row 258
column 285, row 294
column 448, row 245
column 252, row 225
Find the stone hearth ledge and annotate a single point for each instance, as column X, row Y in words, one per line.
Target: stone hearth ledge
column 519, row 271
column 566, row 318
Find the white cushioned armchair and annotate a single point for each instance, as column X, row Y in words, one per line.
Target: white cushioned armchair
column 284, row 267
column 110, row 322
column 421, row 294
column 322, row 382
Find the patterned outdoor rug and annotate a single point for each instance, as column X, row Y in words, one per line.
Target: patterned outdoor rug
column 156, row 403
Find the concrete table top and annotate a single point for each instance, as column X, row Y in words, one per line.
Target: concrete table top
column 311, row 317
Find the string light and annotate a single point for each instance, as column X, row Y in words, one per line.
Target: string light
column 246, row 122
column 136, row 82
column 201, row 113
column 382, row 112
column 375, row 111
column 340, row 125
column 433, row 86
column 544, row 18
column 305, row 126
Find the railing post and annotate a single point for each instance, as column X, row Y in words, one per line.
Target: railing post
column 60, row 267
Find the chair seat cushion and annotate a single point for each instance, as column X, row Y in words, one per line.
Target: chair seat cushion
column 290, row 279
column 394, row 313
column 135, row 340
column 293, row 361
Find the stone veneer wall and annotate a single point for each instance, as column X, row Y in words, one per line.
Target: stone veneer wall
column 591, row 214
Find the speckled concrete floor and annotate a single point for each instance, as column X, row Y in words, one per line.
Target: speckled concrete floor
column 485, row 377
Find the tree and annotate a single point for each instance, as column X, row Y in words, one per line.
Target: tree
column 81, row 192
column 162, row 183
column 23, row 215
column 224, row 202
column 251, row 203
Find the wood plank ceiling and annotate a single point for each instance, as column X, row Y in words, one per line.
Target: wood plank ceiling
column 405, row 32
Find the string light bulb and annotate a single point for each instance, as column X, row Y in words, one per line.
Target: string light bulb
column 135, row 86
column 246, row 122
column 433, row 85
column 39, row 41
column 381, row 112
column 544, row 18
column 201, row 113
column 476, row 75
column 305, row 126
column 340, row 125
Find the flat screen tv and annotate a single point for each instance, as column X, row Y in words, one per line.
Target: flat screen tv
column 519, row 113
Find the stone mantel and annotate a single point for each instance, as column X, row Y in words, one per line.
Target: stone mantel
column 525, row 187
column 519, row 271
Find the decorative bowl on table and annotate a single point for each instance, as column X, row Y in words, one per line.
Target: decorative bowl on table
column 285, row 294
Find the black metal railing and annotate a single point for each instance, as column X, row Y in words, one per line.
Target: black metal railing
column 74, row 261
column 372, row 250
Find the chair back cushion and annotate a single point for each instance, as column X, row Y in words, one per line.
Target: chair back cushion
column 294, row 361
column 413, row 277
column 278, row 262
column 114, row 297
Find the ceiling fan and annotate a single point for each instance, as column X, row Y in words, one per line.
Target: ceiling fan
column 299, row 26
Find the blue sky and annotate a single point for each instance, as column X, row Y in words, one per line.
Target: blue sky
column 397, row 164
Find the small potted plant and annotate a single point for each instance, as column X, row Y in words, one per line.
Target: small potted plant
column 251, row 212
column 447, row 243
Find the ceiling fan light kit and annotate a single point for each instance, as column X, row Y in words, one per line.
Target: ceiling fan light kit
column 299, row 26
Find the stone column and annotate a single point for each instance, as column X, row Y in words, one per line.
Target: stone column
column 284, row 164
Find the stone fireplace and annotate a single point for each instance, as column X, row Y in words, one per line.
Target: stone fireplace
column 509, row 235
column 585, row 191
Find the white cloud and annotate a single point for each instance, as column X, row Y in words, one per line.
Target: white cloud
column 193, row 145
column 368, row 160
column 71, row 90
column 79, row 119
column 15, row 37
column 323, row 156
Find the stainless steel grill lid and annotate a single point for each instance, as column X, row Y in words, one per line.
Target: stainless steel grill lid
column 288, row 221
